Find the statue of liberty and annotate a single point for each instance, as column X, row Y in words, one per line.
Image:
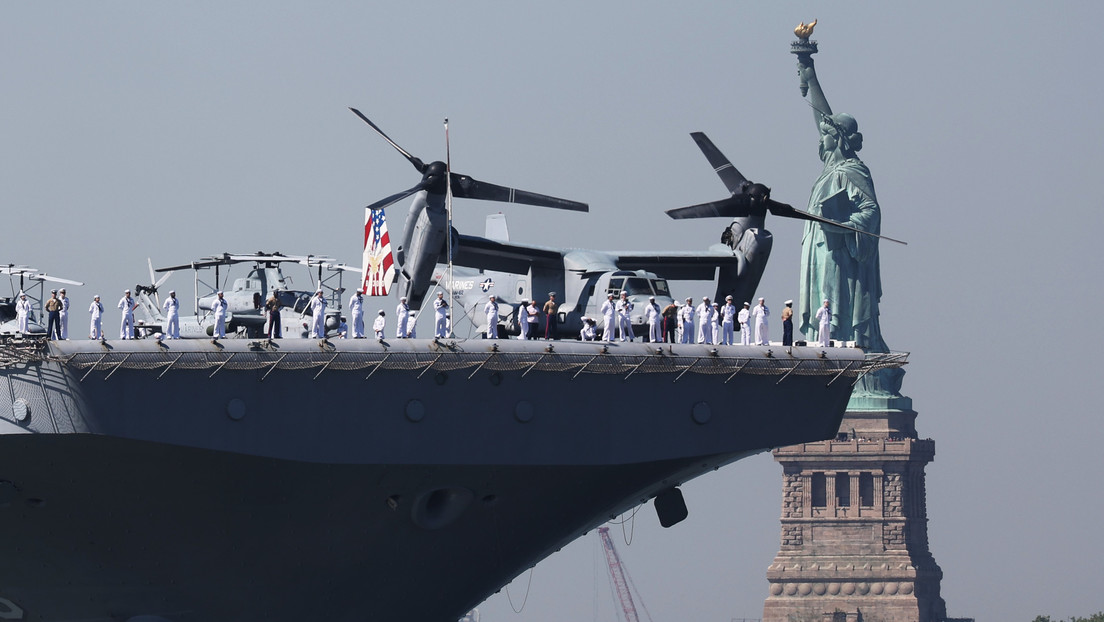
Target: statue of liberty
column 837, row 265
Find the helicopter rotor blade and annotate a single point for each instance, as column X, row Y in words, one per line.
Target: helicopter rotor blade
column 467, row 187
column 732, row 178
column 417, row 162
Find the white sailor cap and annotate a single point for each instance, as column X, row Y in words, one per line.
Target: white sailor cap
column 491, row 297
column 22, row 293
column 689, row 299
column 761, row 299
column 651, row 297
column 62, row 290
column 126, row 291
column 747, row 304
column 705, row 298
column 403, row 299
column 172, row 291
column 729, row 297
column 440, row 293
column 318, row 291
column 96, row 297
column 609, row 295
column 219, row 292
column 381, row 312
column 789, row 302
column 825, row 300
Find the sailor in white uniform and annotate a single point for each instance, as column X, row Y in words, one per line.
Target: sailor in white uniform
column 762, row 331
column 95, row 313
column 589, row 331
column 318, row 315
column 380, row 324
column 23, row 313
column 743, row 317
column 356, row 311
column 686, row 320
column 824, row 317
column 707, row 321
column 624, row 316
column 440, row 307
column 172, row 316
column 728, row 317
column 491, row 311
column 402, row 317
column 219, row 307
column 609, row 311
column 653, row 314
column 127, row 305
column 64, row 313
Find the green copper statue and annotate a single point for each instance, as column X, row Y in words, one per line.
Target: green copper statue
column 840, row 266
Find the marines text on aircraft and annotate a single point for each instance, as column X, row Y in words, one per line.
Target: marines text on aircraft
column 585, row 278
column 245, row 296
column 29, row 294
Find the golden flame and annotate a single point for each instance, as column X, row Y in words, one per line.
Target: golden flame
column 803, row 30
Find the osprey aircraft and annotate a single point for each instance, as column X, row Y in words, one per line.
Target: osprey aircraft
column 581, row 278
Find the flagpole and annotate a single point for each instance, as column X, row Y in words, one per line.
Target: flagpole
column 448, row 232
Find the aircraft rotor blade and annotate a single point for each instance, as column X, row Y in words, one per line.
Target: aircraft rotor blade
column 467, row 187
column 53, row 279
column 732, row 178
column 732, row 207
column 417, row 162
column 787, row 211
column 384, row 202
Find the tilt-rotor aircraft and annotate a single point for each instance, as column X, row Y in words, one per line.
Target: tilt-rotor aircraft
column 582, row 278
column 245, row 296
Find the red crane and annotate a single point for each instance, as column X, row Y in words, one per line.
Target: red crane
column 620, row 578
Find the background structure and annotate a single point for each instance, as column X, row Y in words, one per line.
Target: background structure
column 136, row 129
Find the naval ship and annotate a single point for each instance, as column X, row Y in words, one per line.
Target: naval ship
column 290, row 480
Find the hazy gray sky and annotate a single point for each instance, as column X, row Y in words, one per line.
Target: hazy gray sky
column 174, row 131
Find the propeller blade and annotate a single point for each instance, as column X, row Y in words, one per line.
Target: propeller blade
column 731, row 177
column 418, row 164
column 54, row 279
column 732, row 207
column 382, row 203
column 788, row 211
column 467, row 187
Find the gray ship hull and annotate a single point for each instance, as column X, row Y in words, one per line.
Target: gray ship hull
column 305, row 481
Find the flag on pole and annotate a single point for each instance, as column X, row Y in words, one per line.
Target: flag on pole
column 378, row 265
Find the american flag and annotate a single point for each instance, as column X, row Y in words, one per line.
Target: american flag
column 378, row 265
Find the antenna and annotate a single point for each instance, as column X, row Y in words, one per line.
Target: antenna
column 448, row 232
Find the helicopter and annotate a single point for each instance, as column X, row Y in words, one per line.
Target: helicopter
column 246, row 296
column 584, row 278
column 35, row 292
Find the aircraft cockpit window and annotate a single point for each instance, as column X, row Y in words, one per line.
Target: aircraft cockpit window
column 615, row 286
column 638, row 287
column 661, row 288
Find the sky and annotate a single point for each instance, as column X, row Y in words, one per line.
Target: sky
column 172, row 131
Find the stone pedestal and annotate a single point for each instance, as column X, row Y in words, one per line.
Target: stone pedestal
column 854, row 523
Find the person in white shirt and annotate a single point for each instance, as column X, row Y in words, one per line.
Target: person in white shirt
column 220, row 308
column 609, row 311
column 64, row 314
column 318, row 306
column 95, row 312
column 824, row 317
column 653, row 315
column 127, row 305
column 356, row 312
column 686, row 318
column 491, row 311
column 624, row 317
column 728, row 317
column 402, row 316
column 762, row 331
column 23, row 309
column 441, row 306
column 707, row 321
column 172, row 316
column 743, row 317
column 379, row 324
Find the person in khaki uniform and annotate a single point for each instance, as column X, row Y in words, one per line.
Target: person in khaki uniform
column 787, row 324
column 550, row 316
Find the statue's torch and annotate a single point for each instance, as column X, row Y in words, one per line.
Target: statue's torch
column 804, row 47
